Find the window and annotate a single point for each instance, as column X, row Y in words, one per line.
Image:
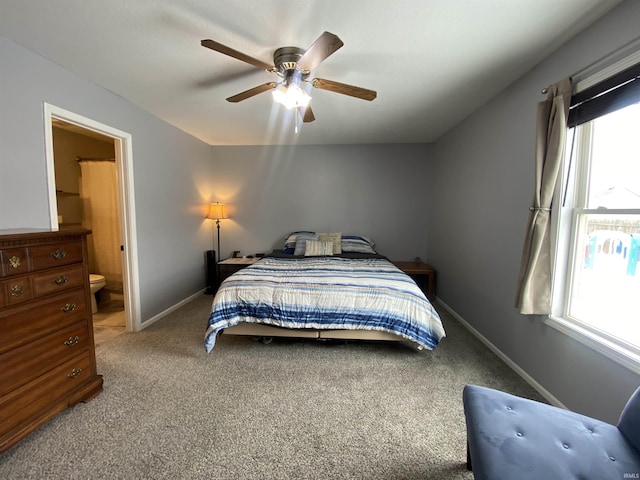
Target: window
column 597, row 276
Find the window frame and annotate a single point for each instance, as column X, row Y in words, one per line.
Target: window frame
column 573, row 186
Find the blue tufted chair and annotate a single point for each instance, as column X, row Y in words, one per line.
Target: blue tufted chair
column 513, row 438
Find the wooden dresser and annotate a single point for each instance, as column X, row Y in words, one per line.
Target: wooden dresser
column 47, row 355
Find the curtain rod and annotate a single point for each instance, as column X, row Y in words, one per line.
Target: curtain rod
column 88, row 159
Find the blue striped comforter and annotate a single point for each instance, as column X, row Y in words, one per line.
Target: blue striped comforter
column 327, row 293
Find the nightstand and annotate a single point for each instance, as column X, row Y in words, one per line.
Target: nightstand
column 420, row 272
column 229, row 266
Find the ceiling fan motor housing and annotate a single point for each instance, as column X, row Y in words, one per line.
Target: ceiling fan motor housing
column 286, row 61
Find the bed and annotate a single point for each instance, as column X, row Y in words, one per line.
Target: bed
column 324, row 286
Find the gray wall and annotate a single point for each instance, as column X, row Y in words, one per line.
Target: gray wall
column 484, row 171
column 375, row 190
column 171, row 231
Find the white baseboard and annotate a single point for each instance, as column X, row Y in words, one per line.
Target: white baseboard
column 166, row 312
column 514, row 366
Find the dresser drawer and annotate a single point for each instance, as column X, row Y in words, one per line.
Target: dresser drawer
column 23, row 364
column 15, row 291
column 55, row 255
column 58, row 280
column 13, row 262
column 25, row 323
column 36, row 397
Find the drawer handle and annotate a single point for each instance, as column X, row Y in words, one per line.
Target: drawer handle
column 69, row 307
column 14, row 262
column 72, row 341
column 17, row 290
column 61, row 280
column 74, row 373
column 59, row 254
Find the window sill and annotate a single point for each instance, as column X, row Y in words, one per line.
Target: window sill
column 614, row 351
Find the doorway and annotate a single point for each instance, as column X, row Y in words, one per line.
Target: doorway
column 88, row 145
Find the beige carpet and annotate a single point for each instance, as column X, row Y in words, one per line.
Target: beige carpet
column 289, row 410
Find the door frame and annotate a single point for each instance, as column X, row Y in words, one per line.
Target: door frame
column 126, row 200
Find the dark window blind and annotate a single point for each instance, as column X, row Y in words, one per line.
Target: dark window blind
column 614, row 93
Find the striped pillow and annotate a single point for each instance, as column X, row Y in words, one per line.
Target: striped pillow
column 290, row 241
column 357, row 244
column 301, row 240
column 315, row 248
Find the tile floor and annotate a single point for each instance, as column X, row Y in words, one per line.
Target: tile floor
column 110, row 321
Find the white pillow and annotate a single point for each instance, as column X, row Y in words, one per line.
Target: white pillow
column 315, row 248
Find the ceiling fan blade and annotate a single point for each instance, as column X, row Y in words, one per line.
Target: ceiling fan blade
column 344, row 89
column 251, row 92
column 218, row 47
column 325, row 45
column 308, row 115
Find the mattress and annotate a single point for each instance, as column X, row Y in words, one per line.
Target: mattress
column 328, row 293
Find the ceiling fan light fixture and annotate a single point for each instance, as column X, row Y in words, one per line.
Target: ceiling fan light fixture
column 291, row 96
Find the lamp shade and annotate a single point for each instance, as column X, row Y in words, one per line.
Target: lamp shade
column 217, row 211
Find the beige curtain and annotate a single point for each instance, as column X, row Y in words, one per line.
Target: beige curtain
column 98, row 191
column 534, row 283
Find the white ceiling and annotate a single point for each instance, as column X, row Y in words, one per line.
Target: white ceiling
column 432, row 62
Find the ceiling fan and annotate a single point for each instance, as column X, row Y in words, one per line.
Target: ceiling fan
column 294, row 65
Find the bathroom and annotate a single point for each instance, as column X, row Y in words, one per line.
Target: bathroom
column 87, row 196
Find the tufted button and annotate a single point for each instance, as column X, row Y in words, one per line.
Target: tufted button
column 519, row 434
column 565, row 445
column 612, row 459
column 509, row 408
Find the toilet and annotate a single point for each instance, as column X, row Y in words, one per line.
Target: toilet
column 96, row 282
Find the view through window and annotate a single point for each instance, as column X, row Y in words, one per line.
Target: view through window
column 604, row 282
